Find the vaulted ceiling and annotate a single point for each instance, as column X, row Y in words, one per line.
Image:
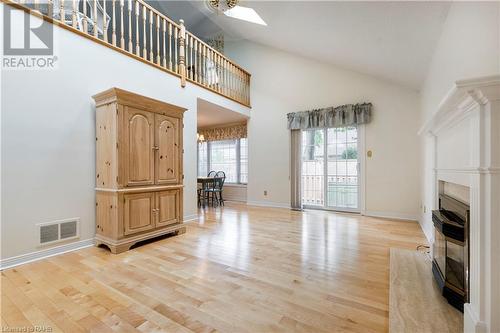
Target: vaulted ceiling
column 390, row 40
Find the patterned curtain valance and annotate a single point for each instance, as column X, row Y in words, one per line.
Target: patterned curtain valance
column 341, row 116
column 224, row 133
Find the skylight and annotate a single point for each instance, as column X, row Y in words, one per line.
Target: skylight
column 245, row 14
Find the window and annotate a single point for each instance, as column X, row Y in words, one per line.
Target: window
column 230, row 156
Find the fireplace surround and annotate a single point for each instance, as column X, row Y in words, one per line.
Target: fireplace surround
column 464, row 136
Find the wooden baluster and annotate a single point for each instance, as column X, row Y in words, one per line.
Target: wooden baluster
column 175, row 50
column 104, row 27
column 233, row 81
column 158, row 39
column 122, row 37
column 242, row 83
column 228, row 79
column 191, row 56
column 224, row 76
column 61, row 12
column 95, row 18
column 248, row 88
column 186, row 57
column 130, row 44
column 195, row 62
column 214, row 69
column 164, row 28
column 210, row 67
column 186, row 39
column 202, row 63
column 219, row 74
column 221, row 79
column 73, row 15
column 228, row 90
column 182, row 54
column 145, row 38
column 213, row 56
column 137, row 47
column 169, row 45
column 85, row 22
column 198, row 66
column 243, row 87
column 186, row 53
column 197, row 58
column 50, row 8
column 151, row 56
column 205, row 64
column 238, row 87
column 113, row 33
column 238, row 84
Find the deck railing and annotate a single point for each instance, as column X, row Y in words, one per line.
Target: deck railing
column 135, row 28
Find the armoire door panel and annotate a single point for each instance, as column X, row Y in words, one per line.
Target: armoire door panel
column 168, row 153
column 139, row 211
column 168, row 205
column 140, row 146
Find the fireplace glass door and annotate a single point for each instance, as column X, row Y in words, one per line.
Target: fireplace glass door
column 439, row 248
column 455, row 264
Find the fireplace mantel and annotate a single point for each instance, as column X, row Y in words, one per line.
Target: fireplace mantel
column 466, row 141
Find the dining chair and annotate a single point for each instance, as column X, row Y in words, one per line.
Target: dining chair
column 216, row 190
column 211, row 174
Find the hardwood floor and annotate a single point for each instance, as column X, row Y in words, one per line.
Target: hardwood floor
column 237, row 269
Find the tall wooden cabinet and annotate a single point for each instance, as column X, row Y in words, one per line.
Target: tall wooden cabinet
column 139, row 171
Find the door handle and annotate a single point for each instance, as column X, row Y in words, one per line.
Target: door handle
column 155, row 148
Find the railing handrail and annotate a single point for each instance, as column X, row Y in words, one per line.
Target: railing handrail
column 210, row 69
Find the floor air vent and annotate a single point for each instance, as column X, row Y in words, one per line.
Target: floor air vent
column 58, row 231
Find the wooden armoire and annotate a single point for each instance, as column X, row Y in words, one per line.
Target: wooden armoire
column 139, row 171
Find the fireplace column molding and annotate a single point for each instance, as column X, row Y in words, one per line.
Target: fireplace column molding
column 468, row 121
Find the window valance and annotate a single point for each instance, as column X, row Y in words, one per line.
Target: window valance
column 230, row 132
column 341, row 116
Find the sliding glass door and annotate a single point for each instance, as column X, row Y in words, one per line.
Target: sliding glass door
column 313, row 168
column 330, row 169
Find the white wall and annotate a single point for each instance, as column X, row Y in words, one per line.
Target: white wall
column 469, row 47
column 48, row 135
column 283, row 83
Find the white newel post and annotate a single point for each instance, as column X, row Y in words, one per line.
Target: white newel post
column 470, row 117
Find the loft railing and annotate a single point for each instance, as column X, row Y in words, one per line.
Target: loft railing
column 135, row 28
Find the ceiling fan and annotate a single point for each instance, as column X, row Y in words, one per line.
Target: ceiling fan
column 230, row 8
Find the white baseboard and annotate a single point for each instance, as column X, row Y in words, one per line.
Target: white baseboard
column 391, row 215
column 268, row 204
column 471, row 322
column 46, row 253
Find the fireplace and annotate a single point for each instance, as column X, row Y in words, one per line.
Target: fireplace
column 450, row 264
